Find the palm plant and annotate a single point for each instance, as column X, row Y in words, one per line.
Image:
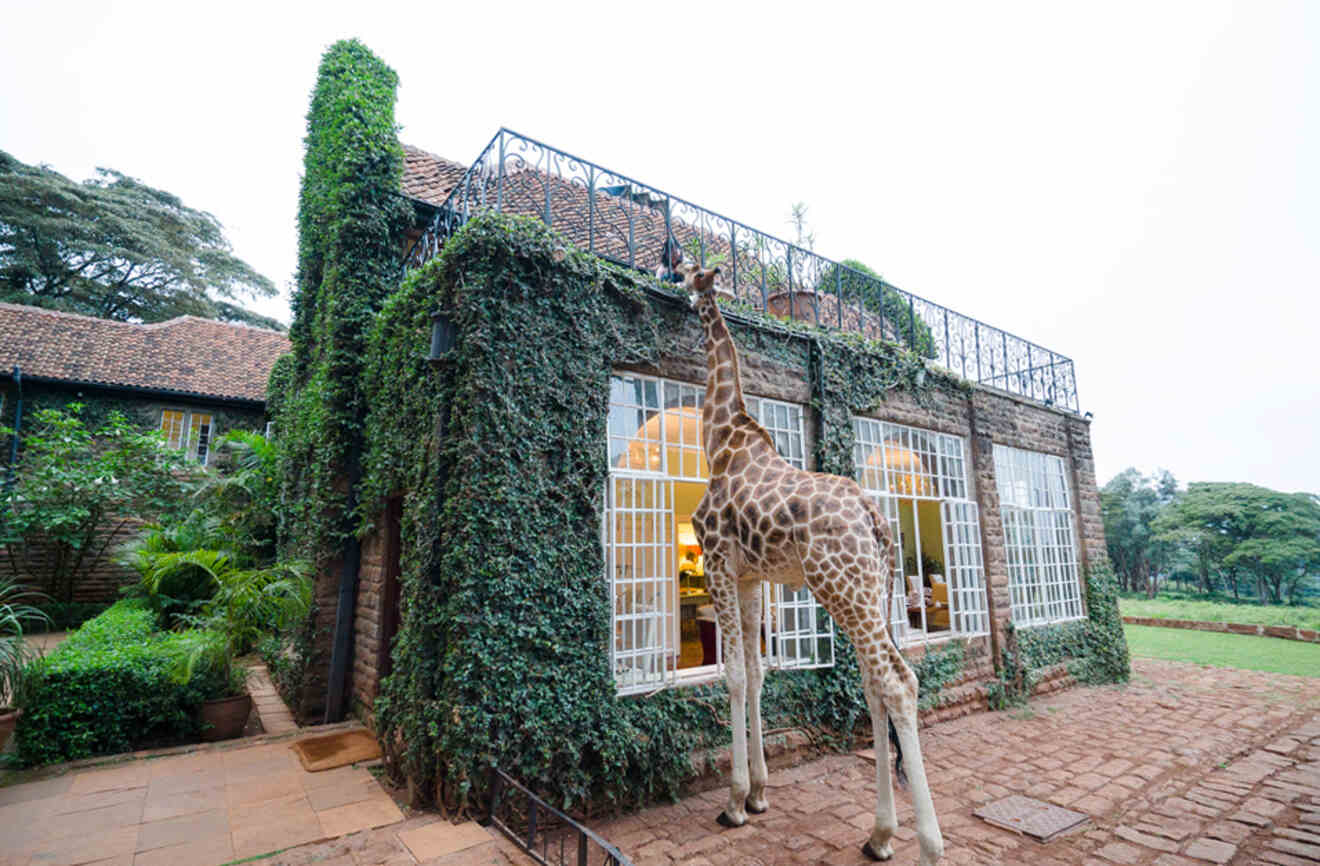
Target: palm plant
column 17, row 607
column 245, row 603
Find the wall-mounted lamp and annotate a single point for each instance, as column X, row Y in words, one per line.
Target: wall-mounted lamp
column 442, row 335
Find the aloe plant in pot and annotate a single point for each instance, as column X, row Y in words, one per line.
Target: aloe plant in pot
column 17, row 609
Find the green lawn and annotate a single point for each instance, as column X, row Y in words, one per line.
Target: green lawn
column 1222, row 650
column 1221, row 611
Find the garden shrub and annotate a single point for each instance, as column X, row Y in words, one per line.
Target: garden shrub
column 109, row 689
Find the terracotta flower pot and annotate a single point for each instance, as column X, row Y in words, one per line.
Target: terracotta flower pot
column 8, row 721
column 225, row 718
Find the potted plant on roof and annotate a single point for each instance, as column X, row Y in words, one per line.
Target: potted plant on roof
column 17, row 608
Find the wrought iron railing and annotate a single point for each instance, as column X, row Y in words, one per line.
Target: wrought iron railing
column 629, row 222
column 548, row 835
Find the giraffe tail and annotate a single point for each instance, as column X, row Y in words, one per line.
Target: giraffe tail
column 900, row 775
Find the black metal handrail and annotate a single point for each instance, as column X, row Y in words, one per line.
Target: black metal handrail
column 543, row 831
column 629, row 222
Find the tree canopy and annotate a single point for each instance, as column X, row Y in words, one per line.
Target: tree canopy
column 115, row 248
column 1225, row 535
column 1130, row 504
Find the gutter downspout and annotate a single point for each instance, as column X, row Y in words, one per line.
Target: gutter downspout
column 18, row 427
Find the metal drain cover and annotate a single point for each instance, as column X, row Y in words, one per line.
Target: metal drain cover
column 1033, row 818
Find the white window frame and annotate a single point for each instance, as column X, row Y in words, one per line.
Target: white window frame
column 197, row 448
column 667, row 457
column 944, row 477
column 1040, row 543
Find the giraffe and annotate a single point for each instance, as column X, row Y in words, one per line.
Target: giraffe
column 763, row 519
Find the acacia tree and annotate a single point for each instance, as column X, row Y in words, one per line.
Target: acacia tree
column 1245, row 531
column 74, row 488
column 115, row 248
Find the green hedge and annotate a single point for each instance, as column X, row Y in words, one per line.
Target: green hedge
column 108, row 689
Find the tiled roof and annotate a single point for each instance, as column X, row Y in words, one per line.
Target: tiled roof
column 429, row 177
column 186, row 355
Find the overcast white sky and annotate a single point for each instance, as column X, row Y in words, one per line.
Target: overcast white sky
column 1134, row 185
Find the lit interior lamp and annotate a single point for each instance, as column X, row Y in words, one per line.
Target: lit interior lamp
column 686, row 537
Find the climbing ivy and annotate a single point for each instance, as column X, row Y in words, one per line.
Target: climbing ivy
column 350, row 217
column 1094, row 648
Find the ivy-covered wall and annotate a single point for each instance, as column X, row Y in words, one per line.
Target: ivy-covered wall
column 350, row 217
column 498, row 451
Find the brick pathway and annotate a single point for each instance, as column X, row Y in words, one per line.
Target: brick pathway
column 266, row 701
column 1183, row 766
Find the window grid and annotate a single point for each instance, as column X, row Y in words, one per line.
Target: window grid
column 1039, row 540
column 783, row 421
column 892, row 462
column 964, row 567
column 171, row 424
column 188, row 431
column 638, row 550
column 654, row 438
column 896, row 460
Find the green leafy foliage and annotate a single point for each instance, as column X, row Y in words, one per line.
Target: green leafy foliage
column 854, row 280
column 110, row 688
column 1094, row 649
column 1221, row 538
column 350, row 218
column 18, row 611
column 116, row 248
column 1129, row 504
column 74, row 481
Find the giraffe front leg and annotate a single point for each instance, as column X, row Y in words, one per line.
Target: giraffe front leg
column 724, row 594
column 749, row 599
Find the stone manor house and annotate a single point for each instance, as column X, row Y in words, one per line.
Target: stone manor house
column 991, row 490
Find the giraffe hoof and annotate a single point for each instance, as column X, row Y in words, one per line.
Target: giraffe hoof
column 885, row 852
column 757, row 808
column 725, row 821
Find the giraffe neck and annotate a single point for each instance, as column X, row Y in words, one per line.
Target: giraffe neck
column 724, row 403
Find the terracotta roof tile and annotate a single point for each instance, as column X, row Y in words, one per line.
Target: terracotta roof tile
column 429, row 177
column 188, row 355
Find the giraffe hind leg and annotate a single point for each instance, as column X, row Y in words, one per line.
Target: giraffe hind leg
column 749, row 602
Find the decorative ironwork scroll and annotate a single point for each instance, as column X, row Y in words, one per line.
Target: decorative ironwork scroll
column 631, row 223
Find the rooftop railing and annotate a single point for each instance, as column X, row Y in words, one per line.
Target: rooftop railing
column 631, row 223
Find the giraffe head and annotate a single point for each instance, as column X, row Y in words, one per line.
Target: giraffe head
column 698, row 281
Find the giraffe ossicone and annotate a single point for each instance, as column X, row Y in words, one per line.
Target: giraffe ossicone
column 763, row 519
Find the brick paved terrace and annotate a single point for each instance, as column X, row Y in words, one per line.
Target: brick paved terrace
column 1185, row 765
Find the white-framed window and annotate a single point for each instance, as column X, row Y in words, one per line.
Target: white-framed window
column 188, row 431
column 919, row 478
column 1039, row 539
column 662, row 618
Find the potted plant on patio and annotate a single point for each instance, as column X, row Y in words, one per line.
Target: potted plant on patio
column 248, row 602
column 16, row 609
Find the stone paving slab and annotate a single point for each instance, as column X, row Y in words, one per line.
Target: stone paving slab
column 1183, row 766
column 199, row 809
